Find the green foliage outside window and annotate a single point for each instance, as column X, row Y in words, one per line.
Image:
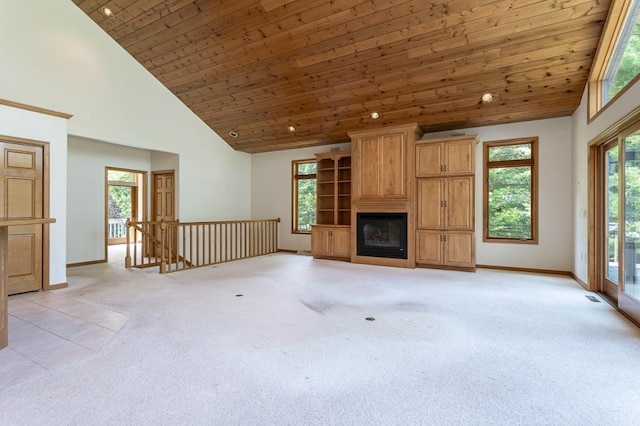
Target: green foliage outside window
column 625, row 65
column 304, row 204
column 120, row 196
column 510, row 191
column 510, row 203
column 632, row 187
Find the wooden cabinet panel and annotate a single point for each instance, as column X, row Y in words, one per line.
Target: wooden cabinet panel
column 458, row 202
column 320, row 241
column 429, row 159
column 459, row 157
column 429, row 247
column 459, row 249
column 456, row 249
column 392, row 166
column 381, row 163
column 341, row 242
column 369, row 162
column 331, row 242
column 430, row 197
column 446, row 157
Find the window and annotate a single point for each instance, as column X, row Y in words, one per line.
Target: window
column 304, row 195
column 510, row 191
column 617, row 63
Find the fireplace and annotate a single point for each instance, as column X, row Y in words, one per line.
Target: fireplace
column 382, row 235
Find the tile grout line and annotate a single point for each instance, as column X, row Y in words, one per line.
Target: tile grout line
column 76, row 317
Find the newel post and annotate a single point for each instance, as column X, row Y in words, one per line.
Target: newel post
column 127, row 258
column 163, row 254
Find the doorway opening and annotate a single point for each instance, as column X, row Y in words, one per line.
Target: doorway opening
column 125, row 197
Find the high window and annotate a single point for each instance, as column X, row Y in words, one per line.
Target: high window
column 617, row 63
column 510, row 191
column 304, row 195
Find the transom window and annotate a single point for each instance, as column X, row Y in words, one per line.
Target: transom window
column 510, row 191
column 617, row 63
column 304, row 195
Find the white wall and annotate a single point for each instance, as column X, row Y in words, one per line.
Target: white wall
column 46, row 128
column 53, row 56
column 582, row 134
column 87, row 160
column 554, row 249
column 271, row 191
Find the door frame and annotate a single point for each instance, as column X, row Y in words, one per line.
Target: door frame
column 142, row 197
column 600, row 215
column 46, row 285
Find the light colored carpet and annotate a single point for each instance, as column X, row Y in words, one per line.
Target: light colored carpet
column 445, row 348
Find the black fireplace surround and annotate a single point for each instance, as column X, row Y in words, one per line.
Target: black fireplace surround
column 382, row 235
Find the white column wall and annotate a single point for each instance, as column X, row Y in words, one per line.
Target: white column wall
column 24, row 124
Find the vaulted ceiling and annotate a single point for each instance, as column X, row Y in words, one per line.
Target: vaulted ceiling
column 253, row 68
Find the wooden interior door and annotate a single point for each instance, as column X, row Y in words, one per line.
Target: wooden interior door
column 164, row 196
column 163, row 201
column 21, row 192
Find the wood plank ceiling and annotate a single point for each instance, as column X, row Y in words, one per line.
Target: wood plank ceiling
column 256, row 67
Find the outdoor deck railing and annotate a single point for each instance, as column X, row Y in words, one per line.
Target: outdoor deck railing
column 175, row 246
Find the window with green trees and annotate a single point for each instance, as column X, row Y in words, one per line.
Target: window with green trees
column 617, row 62
column 304, row 195
column 624, row 64
column 510, row 190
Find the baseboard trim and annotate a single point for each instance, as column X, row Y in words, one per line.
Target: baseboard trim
column 90, row 262
column 56, row 286
column 530, row 270
column 286, row 251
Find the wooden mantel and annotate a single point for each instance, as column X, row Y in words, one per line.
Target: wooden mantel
column 4, row 275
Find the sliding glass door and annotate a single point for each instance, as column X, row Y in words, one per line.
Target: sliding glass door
column 629, row 296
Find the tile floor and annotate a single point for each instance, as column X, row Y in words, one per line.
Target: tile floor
column 48, row 330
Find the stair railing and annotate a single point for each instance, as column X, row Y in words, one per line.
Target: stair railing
column 175, row 245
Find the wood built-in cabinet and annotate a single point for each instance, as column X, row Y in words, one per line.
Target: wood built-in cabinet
column 330, row 237
column 381, row 159
column 331, row 241
column 445, row 205
column 383, row 182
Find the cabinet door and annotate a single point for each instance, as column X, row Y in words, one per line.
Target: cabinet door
column 459, row 157
column 368, row 161
column 391, row 166
column 429, row 247
column 459, row 249
column 458, row 203
column 430, row 203
column 341, row 242
column 320, row 241
column 429, row 159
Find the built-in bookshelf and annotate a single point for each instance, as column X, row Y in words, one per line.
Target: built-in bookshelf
column 333, row 177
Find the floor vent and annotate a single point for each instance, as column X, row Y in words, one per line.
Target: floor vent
column 593, row 299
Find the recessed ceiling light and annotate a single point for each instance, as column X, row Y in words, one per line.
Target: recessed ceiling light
column 107, row 12
column 291, row 129
column 375, row 115
column 233, row 134
column 487, row 97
